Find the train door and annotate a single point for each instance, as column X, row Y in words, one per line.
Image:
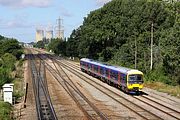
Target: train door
column 123, row 81
column 119, row 79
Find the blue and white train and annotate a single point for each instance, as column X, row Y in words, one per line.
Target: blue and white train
column 129, row 80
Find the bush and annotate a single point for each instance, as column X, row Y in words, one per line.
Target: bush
column 17, row 95
column 5, row 111
column 4, row 76
column 158, row 75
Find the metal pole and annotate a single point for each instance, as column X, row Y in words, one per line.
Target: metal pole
column 151, row 46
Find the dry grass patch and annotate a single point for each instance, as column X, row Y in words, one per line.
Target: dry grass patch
column 172, row 90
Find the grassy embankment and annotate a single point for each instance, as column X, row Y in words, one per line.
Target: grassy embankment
column 5, row 108
column 5, row 111
column 159, row 86
column 18, row 80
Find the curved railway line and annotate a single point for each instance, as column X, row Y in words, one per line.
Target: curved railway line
column 167, row 110
column 88, row 108
column 145, row 106
column 152, row 99
column 143, row 113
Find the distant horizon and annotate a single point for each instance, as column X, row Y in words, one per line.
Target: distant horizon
column 22, row 17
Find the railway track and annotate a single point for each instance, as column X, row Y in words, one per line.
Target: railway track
column 44, row 107
column 166, row 110
column 88, row 108
column 133, row 107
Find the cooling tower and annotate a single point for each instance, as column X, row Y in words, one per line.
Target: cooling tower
column 49, row 34
column 39, row 35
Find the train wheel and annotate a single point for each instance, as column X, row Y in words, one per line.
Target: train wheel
column 126, row 90
column 109, row 82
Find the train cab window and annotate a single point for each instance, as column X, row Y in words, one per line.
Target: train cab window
column 135, row 78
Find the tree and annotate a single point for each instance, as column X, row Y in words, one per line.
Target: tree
column 8, row 61
column 121, row 33
column 40, row 44
column 10, row 46
column 58, row 46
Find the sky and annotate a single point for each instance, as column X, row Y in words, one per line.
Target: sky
column 19, row 19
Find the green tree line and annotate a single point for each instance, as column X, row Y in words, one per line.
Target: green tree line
column 121, row 33
column 10, row 52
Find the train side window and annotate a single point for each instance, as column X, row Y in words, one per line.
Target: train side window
column 101, row 71
column 95, row 68
column 122, row 76
column 85, row 64
column 106, row 72
column 89, row 66
column 114, row 75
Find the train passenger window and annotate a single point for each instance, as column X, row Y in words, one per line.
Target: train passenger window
column 107, row 72
column 89, row 66
column 123, row 77
column 113, row 75
column 101, row 71
column 95, row 68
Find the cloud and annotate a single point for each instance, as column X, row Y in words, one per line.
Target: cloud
column 17, row 22
column 64, row 12
column 101, row 2
column 25, row 3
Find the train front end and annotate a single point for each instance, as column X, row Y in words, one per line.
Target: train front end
column 134, row 81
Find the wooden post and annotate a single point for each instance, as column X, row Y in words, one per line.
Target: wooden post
column 26, row 95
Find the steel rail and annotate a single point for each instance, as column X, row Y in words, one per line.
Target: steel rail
column 40, row 83
column 104, row 117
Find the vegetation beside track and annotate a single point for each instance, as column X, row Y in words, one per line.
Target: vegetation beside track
column 5, row 111
column 11, row 71
column 159, row 86
column 10, row 54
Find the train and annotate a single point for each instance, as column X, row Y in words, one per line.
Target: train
column 128, row 80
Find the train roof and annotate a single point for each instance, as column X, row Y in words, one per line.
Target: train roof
column 116, row 68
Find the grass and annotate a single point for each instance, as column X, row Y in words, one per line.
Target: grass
column 18, row 81
column 5, row 111
column 159, row 86
column 18, row 89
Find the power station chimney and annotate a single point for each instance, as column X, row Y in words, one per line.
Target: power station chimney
column 39, row 35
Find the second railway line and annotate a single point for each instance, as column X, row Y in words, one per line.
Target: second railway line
column 132, row 107
column 165, row 111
